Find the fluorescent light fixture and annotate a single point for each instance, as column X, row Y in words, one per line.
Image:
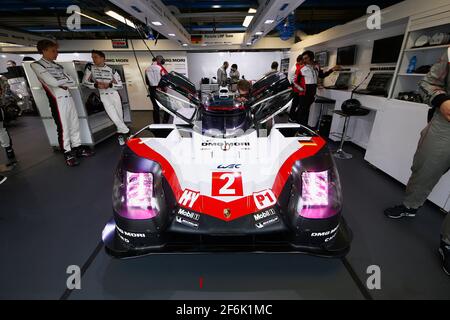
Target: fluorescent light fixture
column 130, row 24
column 251, row 10
column 120, row 18
column 258, row 33
column 269, row 21
column 184, row 44
column 249, row 43
column 115, row 15
column 247, row 21
column 92, row 18
column 3, row 56
column 172, row 34
column 216, row 6
column 156, row 23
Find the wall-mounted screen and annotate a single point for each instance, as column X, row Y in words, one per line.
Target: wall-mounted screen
column 346, row 56
column 387, row 50
column 322, row 58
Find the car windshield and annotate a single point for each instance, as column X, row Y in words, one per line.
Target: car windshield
column 222, row 112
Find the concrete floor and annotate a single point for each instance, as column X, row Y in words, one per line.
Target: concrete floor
column 52, row 217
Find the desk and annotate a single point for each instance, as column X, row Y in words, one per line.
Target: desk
column 389, row 134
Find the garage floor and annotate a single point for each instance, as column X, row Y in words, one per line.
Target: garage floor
column 52, row 216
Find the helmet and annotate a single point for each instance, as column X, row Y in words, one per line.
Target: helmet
column 353, row 107
column 350, row 105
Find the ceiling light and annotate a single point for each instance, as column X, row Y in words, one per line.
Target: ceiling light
column 269, row 21
column 216, row 6
column 130, row 24
column 120, row 18
column 156, row 23
column 249, row 43
column 3, row 56
column 258, row 33
column 247, row 21
column 92, row 18
column 251, row 10
column 172, row 34
column 184, row 44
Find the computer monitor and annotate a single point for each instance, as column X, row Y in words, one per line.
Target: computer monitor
column 380, row 82
column 322, row 58
column 343, row 80
column 346, row 56
column 387, row 50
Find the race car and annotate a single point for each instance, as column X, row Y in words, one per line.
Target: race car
column 226, row 178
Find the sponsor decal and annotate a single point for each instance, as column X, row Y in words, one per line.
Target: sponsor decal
column 186, row 222
column 326, row 233
column 264, row 199
column 188, row 198
column 264, row 214
column 188, row 214
column 230, row 166
column 225, row 146
column 266, row 223
column 130, row 234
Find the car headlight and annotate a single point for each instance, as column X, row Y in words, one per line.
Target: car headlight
column 133, row 195
column 320, row 194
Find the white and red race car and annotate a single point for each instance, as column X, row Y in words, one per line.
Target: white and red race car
column 219, row 182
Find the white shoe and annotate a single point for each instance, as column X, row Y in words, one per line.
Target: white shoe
column 2, row 179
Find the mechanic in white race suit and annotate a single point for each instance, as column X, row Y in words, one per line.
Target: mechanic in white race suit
column 107, row 80
column 56, row 83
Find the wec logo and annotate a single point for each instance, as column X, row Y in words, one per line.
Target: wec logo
column 230, row 166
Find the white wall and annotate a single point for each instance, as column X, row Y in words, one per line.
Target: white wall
column 252, row 65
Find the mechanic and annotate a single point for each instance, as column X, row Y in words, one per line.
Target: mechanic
column 306, row 80
column 10, row 63
column 56, row 84
column 292, row 76
column 153, row 75
column 222, row 78
column 243, row 90
column 273, row 69
column 5, row 138
column 107, row 80
column 234, row 76
column 432, row 158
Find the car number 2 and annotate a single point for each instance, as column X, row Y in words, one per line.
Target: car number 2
column 227, row 184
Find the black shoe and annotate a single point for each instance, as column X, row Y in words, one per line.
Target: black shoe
column 10, row 155
column 83, row 152
column 71, row 159
column 2, row 179
column 444, row 250
column 400, row 211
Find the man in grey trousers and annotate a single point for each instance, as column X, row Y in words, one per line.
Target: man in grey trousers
column 432, row 157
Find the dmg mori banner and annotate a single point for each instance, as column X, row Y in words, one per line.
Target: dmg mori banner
column 217, row 39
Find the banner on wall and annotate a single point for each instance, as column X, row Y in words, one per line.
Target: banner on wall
column 119, row 43
column 218, row 39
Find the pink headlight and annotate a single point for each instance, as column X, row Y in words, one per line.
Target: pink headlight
column 315, row 188
column 319, row 199
column 139, row 195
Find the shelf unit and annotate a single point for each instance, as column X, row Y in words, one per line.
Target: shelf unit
column 424, row 24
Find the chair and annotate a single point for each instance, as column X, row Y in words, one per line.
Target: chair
column 322, row 101
column 350, row 108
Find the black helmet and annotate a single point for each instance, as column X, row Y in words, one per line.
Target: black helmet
column 354, row 107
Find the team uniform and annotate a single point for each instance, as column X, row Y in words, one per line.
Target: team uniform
column 154, row 74
column 53, row 79
column 110, row 97
column 306, row 79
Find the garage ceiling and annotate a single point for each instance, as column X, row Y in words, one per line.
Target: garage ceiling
column 48, row 18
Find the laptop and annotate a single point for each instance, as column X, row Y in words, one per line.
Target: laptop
column 378, row 85
column 342, row 81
